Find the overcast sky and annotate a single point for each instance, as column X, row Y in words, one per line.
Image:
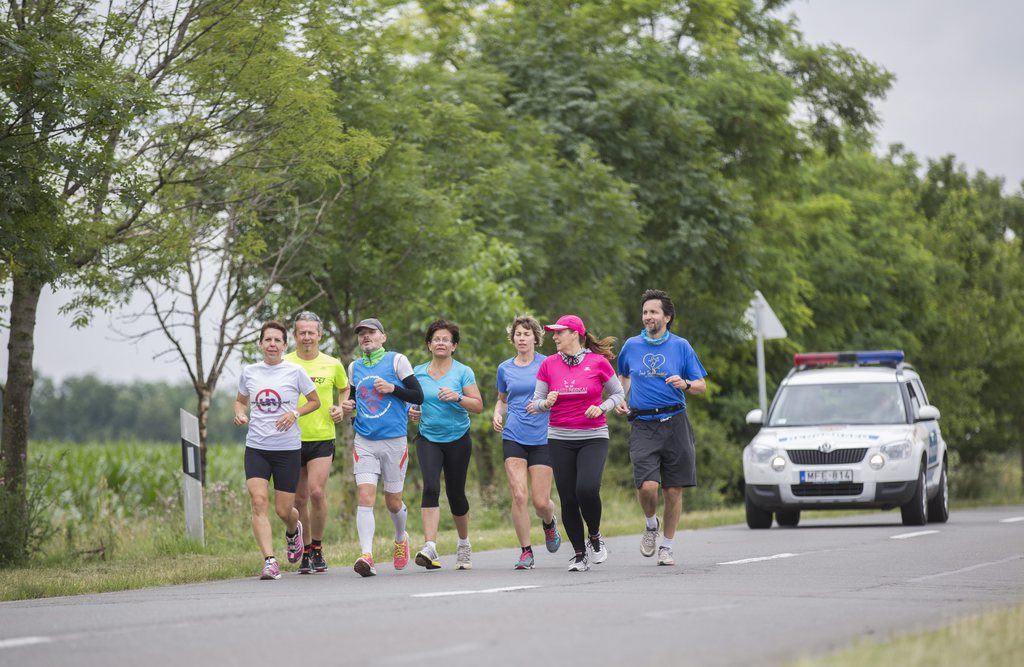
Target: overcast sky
column 959, row 89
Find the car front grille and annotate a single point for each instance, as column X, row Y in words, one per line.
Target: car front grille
column 836, row 489
column 812, row 457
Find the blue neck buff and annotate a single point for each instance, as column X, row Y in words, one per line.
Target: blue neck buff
column 654, row 341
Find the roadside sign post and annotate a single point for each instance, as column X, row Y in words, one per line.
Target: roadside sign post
column 766, row 327
column 192, row 477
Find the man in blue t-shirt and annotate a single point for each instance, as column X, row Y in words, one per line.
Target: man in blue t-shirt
column 657, row 369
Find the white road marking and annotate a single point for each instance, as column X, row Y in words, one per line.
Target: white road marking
column 441, row 594
column 23, row 641
column 757, row 560
column 963, row 569
column 669, row 614
column 1012, row 519
column 906, row 536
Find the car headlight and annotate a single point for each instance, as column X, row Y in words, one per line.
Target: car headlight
column 876, row 461
column 761, row 453
column 778, row 463
column 896, row 451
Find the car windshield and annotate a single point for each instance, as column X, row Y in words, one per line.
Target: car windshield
column 853, row 403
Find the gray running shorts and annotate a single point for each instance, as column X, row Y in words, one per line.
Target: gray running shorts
column 663, row 451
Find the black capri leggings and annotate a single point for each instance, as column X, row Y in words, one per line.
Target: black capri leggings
column 578, row 466
column 452, row 458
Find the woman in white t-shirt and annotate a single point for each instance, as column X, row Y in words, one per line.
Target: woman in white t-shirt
column 273, row 443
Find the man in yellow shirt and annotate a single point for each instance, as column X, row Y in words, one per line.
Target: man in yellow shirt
column 318, row 435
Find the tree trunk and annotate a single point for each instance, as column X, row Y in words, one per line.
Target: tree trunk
column 205, row 395
column 17, row 400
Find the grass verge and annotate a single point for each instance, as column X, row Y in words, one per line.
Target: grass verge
column 992, row 639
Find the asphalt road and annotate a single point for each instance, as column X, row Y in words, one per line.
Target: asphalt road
column 737, row 597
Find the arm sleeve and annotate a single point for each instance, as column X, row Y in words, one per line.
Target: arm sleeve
column 305, row 383
column 540, row 394
column 340, row 378
column 499, row 381
column 412, row 392
column 615, row 393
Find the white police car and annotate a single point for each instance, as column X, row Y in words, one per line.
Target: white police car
column 847, row 430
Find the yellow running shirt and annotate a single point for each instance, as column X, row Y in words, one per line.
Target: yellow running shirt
column 327, row 374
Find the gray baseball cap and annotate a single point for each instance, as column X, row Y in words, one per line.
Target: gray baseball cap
column 370, row 323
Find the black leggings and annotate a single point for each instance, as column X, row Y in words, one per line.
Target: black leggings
column 451, row 457
column 578, row 466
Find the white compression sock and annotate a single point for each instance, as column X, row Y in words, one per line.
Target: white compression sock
column 398, row 518
column 365, row 525
column 652, row 522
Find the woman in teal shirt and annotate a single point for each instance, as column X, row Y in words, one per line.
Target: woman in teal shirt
column 443, row 444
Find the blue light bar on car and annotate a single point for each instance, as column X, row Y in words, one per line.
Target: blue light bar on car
column 863, row 357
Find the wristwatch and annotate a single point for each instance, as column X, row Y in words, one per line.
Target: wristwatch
column 296, row 413
column 687, row 388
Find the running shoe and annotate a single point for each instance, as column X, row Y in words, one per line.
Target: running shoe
column 317, row 560
column 525, row 561
column 295, row 544
column 578, row 563
column 650, row 540
column 551, row 537
column 463, row 557
column 428, row 558
column 271, row 570
column 598, row 549
column 665, row 556
column 401, row 558
column 364, row 566
column 305, row 567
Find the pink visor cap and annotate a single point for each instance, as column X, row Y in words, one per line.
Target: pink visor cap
column 567, row 322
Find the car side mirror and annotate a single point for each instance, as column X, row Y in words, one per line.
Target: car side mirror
column 927, row 413
column 757, row 416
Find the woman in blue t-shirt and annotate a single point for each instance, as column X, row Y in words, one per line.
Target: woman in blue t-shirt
column 443, row 444
column 524, row 438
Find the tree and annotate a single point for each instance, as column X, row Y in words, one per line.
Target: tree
column 114, row 116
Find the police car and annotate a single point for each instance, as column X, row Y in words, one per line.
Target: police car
column 847, row 430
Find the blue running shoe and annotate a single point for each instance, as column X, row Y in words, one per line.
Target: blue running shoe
column 551, row 537
column 525, row 561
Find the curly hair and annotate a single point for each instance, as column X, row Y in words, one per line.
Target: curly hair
column 527, row 322
column 442, row 325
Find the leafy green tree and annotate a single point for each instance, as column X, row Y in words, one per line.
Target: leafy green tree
column 115, row 118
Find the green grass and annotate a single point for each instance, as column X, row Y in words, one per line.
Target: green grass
column 992, row 639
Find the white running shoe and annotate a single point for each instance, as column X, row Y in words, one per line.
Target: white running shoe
column 463, row 560
column 649, row 540
column 598, row 549
column 578, row 563
column 665, row 556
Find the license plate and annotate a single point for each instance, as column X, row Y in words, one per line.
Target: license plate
column 825, row 476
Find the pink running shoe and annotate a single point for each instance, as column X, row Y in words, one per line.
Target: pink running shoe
column 402, row 553
column 271, row 570
column 295, row 544
column 364, row 566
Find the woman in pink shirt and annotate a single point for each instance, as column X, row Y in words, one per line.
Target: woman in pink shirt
column 571, row 385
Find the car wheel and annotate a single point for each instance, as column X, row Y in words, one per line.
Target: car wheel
column 915, row 512
column 788, row 518
column 938, row 507
column 757, row 518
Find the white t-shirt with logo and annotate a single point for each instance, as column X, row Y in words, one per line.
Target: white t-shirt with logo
column 273, row 391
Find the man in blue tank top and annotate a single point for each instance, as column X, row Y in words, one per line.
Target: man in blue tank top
column 381, row 383
column 658, row 369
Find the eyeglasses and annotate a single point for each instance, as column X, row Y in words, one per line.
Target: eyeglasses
column 438, row 341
